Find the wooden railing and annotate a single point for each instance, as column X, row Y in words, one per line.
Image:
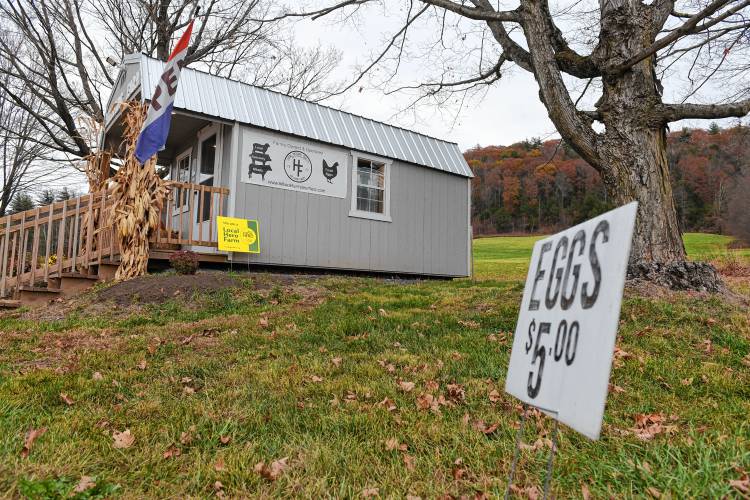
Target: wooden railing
column 74, row 235
column 189, row 214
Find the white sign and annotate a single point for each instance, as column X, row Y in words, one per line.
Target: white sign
column 566, row 330
column 289, row 163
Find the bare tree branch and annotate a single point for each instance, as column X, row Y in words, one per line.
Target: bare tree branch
column 674, row 112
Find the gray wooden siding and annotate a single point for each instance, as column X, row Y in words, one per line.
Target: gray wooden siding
column 429, row 233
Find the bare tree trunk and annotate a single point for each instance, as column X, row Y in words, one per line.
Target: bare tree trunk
column 634, row 167
column 633, row 149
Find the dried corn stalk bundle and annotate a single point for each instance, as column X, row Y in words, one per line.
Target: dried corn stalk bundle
column 97, row 173
column 138, row 196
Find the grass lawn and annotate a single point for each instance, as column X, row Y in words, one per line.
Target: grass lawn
column 507, row 257
column 348, row 387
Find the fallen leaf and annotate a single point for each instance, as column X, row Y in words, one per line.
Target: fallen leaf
column 742, row 484
column 649, row 425
column 458, row 473
column 225, row 439
column 469, row 324
column 615, row 388
column 707, row 346
column 322, row 349
column 456, row 355
column 273, row 471
column 388, row 404
column 406, row 386
column 687, row 381
column 620, row 354
column 382, row 312
column 585, row 493
column 427, row 402
column 653, row 492
column 123, row 439
column 66, row 399
column 172, row 452
column 31, row 436
column 485, row 429
column 393, row 444
column 219, row 466
column 432, row 386
column 455, row 392
column 142, row 365
column 530, row 492
column 370, row 492
column 86, row 483
column 409, row 462
column 316, row 379
column 336, row 362
column 263, row 322
column 187, row 437
column 494, row 396
column 97, row 376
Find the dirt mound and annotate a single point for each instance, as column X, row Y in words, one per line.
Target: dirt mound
column 156, row 289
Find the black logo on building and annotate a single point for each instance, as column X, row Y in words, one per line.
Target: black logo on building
column 298, row 166
column 330, row 171
column 260, row 160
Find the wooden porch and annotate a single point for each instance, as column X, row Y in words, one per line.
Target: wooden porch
column 59, row 249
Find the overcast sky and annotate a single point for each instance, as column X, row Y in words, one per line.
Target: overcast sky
column 509, row 112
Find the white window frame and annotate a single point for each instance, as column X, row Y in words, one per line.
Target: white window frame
column 189, row 154
column 363, row 214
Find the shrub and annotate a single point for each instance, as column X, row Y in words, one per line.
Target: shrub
column 184, row 262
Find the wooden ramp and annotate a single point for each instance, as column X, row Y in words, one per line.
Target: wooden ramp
column 58, row 250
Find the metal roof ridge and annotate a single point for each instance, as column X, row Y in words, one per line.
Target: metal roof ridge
column 303, row 100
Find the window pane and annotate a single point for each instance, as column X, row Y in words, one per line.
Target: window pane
column 208, row 155
column 183, row 167
column 363, row 164
column 363, row 178
column 370, row 186
column 362, row 205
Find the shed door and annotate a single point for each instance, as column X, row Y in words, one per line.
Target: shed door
column 207, row 172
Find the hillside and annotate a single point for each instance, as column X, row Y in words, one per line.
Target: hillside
column 535, row 186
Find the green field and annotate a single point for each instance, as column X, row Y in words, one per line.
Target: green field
column 507, row 257
column 346, row 387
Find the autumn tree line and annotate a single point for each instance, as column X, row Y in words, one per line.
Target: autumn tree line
column 538, row 187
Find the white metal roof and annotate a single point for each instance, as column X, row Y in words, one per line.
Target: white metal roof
column 232, row 100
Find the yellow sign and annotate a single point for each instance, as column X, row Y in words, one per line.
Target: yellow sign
column 238, row 235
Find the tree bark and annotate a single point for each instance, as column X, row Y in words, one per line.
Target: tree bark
column 632, row 150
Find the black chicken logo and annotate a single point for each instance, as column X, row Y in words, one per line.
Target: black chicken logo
column 330, row 171
column 260, row 160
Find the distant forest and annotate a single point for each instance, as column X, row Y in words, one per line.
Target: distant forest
column 536, row 186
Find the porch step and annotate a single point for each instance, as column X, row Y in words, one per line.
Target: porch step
column 165, row 246
column 9, row 304
column 36, row 295
column 92, row 277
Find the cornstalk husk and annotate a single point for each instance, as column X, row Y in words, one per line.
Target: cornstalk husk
column 138, row 197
